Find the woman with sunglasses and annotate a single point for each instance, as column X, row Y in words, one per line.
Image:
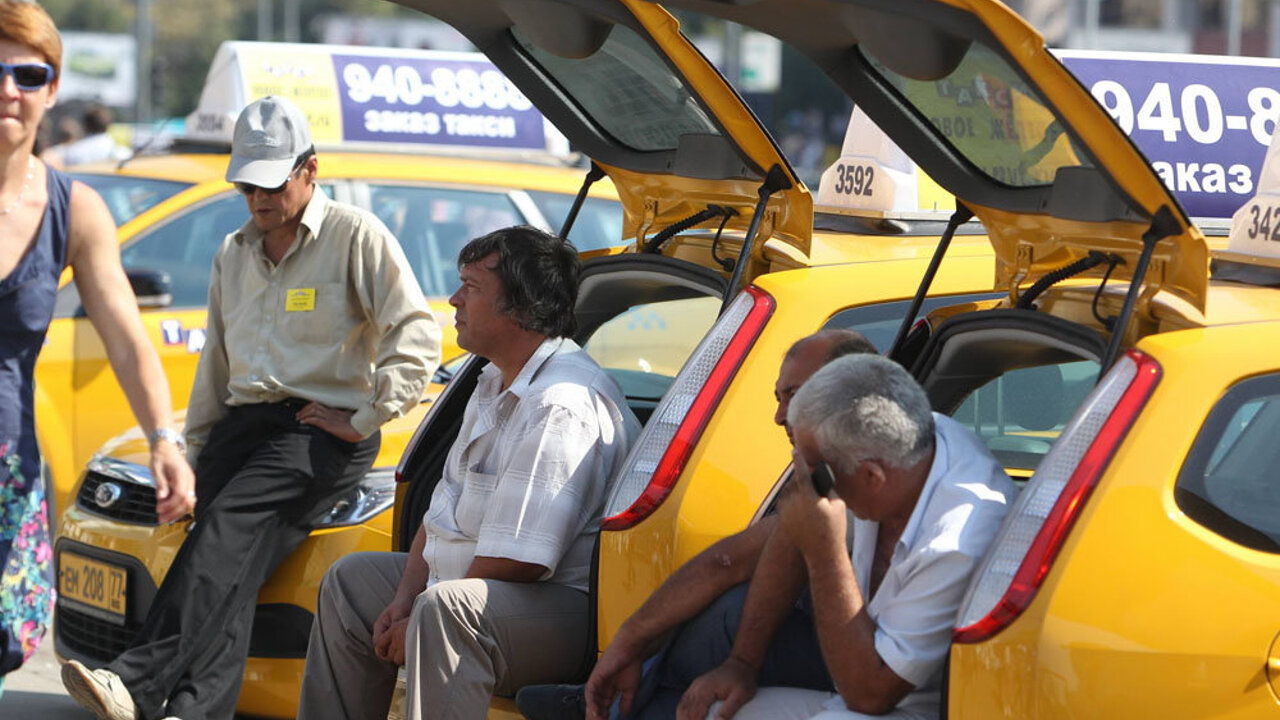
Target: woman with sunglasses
column 48, row 222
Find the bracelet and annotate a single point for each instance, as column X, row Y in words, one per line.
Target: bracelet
column 169, row 434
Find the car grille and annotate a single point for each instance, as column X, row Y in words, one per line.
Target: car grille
column 90, row 637
column 137, row 503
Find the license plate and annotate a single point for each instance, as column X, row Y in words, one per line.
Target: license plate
column 94, row 584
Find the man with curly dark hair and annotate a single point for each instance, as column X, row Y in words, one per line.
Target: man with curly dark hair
column 493, row 594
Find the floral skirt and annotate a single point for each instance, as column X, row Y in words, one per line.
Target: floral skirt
column 26, row 585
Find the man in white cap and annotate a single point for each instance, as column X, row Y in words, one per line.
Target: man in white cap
column 318, row 333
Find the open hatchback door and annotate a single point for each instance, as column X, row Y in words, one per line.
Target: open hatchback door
column 969, row 91
column 627, row 89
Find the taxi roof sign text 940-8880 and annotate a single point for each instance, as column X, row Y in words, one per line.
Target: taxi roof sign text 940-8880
column 1204, row 122
column 373, row 98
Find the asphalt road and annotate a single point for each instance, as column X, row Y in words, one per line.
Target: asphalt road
column 35, row 691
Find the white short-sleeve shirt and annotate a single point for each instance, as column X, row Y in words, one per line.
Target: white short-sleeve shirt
column 527, row 477
column 961, row 506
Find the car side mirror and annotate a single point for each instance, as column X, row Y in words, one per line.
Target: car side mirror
column 153, row 288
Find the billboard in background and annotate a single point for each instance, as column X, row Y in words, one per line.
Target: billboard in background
column 1203, row 121
column 99, row 67
column 374, row 95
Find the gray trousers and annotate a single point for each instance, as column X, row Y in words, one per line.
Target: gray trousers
column 467, row 640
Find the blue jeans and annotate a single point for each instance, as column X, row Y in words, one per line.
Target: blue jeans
column 794, row 658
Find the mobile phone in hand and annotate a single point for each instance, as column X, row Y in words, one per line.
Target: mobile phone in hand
column 823, row 481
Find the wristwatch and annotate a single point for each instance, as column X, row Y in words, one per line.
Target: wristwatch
column 169, row 434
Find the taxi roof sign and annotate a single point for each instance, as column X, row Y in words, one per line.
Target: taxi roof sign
column 1255, row 227
column 376, row 98
column 874, row 175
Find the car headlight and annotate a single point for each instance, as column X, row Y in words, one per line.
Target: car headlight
column 375, row 493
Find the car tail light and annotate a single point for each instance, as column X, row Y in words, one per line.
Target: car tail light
column 1042, row 516
column 658, row 458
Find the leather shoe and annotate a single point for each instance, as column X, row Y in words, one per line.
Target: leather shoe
column 552, row 702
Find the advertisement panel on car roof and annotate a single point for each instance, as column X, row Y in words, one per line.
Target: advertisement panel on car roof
column 356, row 95
column 1204, row 122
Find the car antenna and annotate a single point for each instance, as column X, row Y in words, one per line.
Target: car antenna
column 775, row 180
column 155, row 135
column 1163, row 225
column 961, row 216
column 594, row 174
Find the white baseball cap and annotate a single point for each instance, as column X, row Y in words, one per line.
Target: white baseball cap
column 271, row 133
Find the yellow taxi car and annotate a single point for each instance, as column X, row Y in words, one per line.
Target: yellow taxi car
column 1130, row 389
column 174, row 210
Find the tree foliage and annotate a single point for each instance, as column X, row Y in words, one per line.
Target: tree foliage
column 188, row 32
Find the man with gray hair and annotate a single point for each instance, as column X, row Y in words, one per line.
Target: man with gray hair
column 720, row 571
column 927, row 499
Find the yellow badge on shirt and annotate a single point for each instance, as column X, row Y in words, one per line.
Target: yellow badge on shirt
column 300, row 300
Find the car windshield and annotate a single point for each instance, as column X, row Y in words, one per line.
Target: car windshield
column 627, row 90
column 127, row 197
column 992, row 117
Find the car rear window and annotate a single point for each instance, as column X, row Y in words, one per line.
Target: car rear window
column 127, row 197
column 993, row 117
column 1019, row 414
column 644, row 347
column 1227, row 483
column 433, row 224
column 879, row 321
column 627, row 90
column 598, row 225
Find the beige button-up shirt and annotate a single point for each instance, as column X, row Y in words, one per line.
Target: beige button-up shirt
column 340, row 321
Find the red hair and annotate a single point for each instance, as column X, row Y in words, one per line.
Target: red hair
column 26, row 23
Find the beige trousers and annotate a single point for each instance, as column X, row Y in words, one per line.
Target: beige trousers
column 467, row 640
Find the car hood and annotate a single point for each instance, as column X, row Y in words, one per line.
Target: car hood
column 969, row 91
column 629, row 90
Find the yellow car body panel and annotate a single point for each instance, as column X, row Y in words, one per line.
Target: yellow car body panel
column 1108, row 637
column 81, row 405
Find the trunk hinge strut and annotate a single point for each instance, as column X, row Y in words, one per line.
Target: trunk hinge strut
column 775, row 181
column 594, row 174
column 961, row 216
column 1163, row 225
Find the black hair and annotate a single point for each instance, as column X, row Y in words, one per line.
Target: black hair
column 97, row 119
column 539, row 275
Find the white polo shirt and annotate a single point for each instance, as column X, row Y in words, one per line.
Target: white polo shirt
column 961, row 506
column 527, row 477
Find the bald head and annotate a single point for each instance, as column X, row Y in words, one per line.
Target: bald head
column 806, row 357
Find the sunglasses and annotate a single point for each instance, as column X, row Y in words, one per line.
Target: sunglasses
column 248, row 189
column 28, row 76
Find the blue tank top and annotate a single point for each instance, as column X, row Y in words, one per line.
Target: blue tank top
column 26, row 306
